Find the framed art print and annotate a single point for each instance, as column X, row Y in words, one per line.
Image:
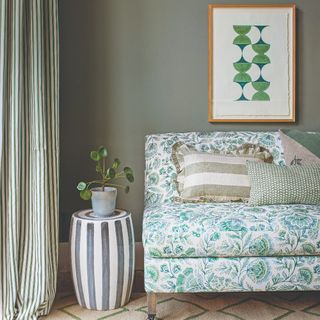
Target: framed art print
column 251, row 63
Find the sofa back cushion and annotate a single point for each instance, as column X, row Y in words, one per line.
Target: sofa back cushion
column 300, row 147
column 160, row 172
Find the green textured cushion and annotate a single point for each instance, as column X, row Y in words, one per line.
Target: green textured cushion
column 272, row 184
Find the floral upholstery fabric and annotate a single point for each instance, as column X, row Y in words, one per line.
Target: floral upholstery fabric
column 159, row 168
column 208, row 247
column 230, row 230
column 232, row 274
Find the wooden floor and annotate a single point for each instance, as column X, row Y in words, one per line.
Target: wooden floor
column 227, row 306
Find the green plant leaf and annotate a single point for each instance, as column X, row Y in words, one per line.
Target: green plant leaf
column 111, row 173
column 103, row 152
column 116, row 163
column 128, row 170
column 129, row 177
column 81, row 186
column 85, row 194
column 129, row 174
column 127, row 189
column 95, row 156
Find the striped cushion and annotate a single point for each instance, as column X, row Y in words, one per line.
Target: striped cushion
column 215, row 176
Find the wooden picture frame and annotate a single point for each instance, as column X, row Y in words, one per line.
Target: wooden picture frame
column 265, row 35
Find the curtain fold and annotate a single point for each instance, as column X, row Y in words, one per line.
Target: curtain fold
column 29, row 151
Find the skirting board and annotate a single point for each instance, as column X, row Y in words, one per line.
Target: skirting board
column 65, row 284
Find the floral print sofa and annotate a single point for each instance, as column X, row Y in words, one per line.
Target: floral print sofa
column 210, row 247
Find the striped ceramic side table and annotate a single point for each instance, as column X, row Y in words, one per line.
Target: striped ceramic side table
column 102, row 257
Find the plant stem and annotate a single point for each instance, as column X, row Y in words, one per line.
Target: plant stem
column 104, row 166
column 120, row 175
column 103, row 172
column 104, row 183
column 95, row 181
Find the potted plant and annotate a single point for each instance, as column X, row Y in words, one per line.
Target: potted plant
column 103, row 191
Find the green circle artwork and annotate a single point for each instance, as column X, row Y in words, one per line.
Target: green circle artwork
column 242, row 66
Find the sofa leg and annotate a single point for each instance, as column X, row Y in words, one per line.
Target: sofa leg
column 152, row 305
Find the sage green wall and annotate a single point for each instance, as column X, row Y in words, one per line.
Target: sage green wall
column 134, row 67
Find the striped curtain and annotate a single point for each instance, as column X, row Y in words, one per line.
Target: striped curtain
column 29, row 144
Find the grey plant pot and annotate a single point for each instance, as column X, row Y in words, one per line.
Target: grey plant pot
column 104, row 202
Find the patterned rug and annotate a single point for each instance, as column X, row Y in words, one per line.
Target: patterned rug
column 227, row 306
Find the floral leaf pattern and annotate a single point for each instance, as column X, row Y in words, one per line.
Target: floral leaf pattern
column 233, row 274
column 230, row 230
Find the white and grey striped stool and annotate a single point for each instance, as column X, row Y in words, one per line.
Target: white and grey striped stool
column 102, row 257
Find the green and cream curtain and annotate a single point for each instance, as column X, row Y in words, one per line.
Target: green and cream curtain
column 29, row 144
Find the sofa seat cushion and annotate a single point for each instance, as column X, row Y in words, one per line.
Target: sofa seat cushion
column 230, row 230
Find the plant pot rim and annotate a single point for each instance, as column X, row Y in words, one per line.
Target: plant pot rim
column 106, row 189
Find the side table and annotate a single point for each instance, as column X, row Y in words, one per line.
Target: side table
column 102, row 259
